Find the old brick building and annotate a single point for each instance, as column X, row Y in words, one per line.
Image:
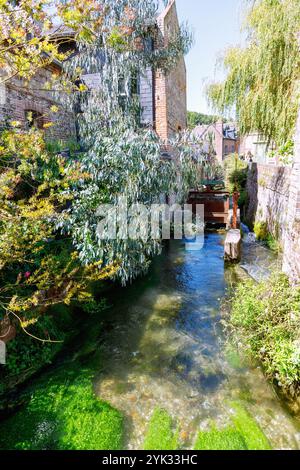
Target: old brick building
column 223, row 137
column 18, row 101
column 162, row 97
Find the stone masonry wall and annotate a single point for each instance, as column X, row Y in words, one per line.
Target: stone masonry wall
column 268, row 192
column 274, row 197
column 17, row 99
column 291, row 249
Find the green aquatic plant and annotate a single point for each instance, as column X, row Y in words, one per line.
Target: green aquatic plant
column 232, row 356
column 243, row 434
column 220, row 439
column 161, row 434
column 63, row 413
column 247, row 426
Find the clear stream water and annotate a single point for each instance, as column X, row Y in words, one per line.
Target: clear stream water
column 162, row 346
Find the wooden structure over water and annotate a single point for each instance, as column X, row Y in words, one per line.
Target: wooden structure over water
column 216, row 205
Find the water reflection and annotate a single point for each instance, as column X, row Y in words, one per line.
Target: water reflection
column 162, row 347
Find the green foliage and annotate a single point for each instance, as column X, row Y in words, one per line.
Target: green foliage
column 38, row 267
column 95, row 307
column 161, row 434
column 285, row 153
column 56, row 146
column 262, row 233
column 236, row 172
column 63, row 413
column 265, row 316
column 273, row 244
column 24, row 354
column 262, row 82
column 196, row 119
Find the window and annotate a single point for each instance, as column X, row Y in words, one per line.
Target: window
column 226, row 149
column 122, row 93
column 135, row 84
column 33, row 119
column 128, row 89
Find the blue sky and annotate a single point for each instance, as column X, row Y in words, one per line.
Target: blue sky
column 216, row 25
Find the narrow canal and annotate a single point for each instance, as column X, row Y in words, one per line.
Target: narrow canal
column 161, row 345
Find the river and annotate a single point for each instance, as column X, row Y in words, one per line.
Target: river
column 160, row 344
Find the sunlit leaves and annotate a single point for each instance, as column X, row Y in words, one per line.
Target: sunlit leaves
column 262, row 83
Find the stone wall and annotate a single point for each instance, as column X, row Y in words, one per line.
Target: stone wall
column 274, row 197
column 268, row 192
column 17, row 99
column 291, row 249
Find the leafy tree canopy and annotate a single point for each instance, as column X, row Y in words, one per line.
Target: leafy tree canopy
column 262, row 84
column 196, row 119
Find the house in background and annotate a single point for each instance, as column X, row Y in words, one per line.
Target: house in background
column 258, row 147
column 162, row 97
column 224, row 138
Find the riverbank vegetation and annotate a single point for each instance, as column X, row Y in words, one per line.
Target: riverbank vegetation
column 51, row 253
column 236, row 171
column 265, row 319
column 262, row 233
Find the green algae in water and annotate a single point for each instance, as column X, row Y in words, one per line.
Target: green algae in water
column 160, row 434
column 243, row 434
column 254, row 437
column 220, row 439
column 63, row 413
column 233, row 358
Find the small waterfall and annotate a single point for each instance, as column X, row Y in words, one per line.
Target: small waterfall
column 257, row 260
column 249, row 237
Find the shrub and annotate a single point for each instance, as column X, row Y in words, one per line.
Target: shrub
column 236, row 171
column 261, row 231
column 266, row 316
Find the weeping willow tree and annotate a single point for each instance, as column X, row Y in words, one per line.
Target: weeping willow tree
column 120, row 157
column 262, row 84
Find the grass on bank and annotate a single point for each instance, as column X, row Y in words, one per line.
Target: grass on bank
column 63, row 413
column 265, row 316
